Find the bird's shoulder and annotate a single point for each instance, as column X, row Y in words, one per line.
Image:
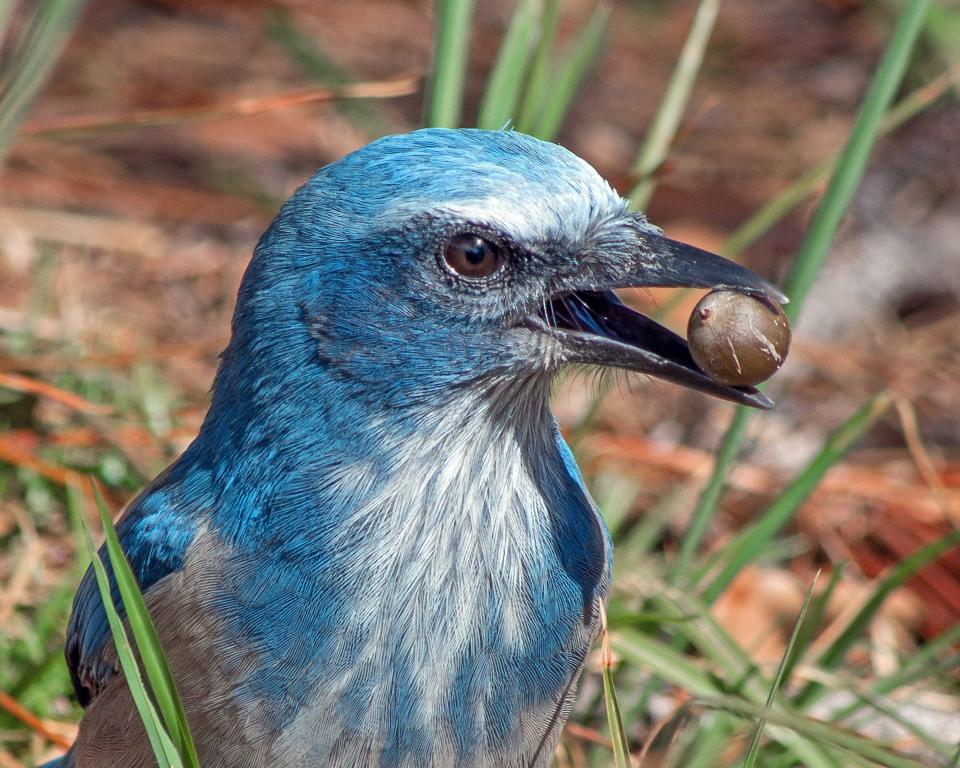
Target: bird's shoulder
column 155, row 531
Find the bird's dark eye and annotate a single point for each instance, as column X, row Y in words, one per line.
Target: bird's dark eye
column 472, row 256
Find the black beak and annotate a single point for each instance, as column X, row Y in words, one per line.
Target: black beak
column 675, row 264
column 595, row 327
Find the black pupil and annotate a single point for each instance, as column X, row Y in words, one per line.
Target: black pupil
column 476, row 251
column 472, row 256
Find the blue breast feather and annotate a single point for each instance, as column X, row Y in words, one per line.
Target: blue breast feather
column 285, row 596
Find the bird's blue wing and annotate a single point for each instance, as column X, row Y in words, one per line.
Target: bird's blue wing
column 155, row 533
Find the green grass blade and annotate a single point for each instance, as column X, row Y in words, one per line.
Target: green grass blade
column 776, row 208
column 618, row 736
column 736, row 671
column 574, row 67
column 853, row 159
column 643, row 537
column 32, row 62
column 843, row 183
column 887, row 709
column 730, row 666
column 710, row 743
column 854, row 629
column 753, row 751
column 622, row 618
column 665, row 662
column 750, row 543
column 160, row 742
column 451, row 52
column 783, row 203
column 818, row 609
column 669, row 664
column 615, row 495
column 538, row 79
column 922, row 663
column 942, row 30
column 6, row 8
column 148, row 643
column 730, row 662
column 665, row 123
column 815, row 731
column 506, row 78
column 710, row 495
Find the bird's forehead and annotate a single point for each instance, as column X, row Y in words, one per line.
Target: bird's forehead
column 528, row 208
column 529, row 189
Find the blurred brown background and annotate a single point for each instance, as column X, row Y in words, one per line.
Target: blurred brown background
column 121, row 248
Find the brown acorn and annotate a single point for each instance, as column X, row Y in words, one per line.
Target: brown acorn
column 737, row 339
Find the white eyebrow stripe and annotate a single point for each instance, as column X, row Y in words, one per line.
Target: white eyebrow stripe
column 564, row 217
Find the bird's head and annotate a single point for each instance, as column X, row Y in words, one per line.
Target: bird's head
column 439, row 259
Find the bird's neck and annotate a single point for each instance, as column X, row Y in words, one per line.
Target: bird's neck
column 277, row 442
